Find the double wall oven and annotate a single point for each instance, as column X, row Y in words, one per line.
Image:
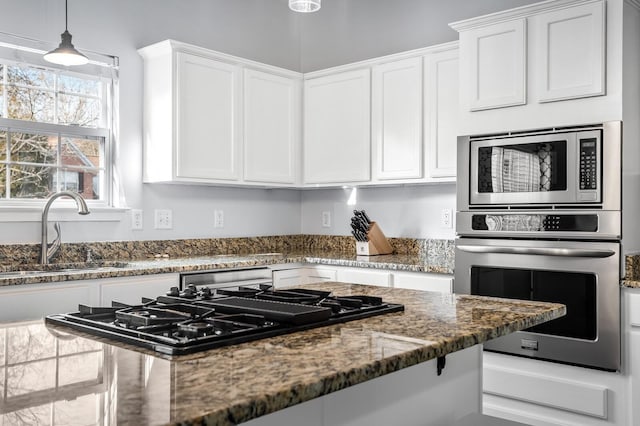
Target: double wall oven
column 539, row 218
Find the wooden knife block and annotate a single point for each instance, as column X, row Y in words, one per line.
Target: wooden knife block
column 377, row 244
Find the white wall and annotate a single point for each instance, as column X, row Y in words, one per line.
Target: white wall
column 263, row 30
column 401, row 211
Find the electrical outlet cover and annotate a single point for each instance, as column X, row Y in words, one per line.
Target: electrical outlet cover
column 326, row 219
column 163, row 219
column 136, row 219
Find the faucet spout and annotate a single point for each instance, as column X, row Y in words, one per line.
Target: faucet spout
column 46, row 252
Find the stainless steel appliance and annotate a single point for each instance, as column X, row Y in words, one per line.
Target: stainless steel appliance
column 549, row 168
column 518, row 237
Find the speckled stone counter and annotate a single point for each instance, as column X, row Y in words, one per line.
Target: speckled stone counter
column 70, row 272
column 114, row 384
column 632, row 271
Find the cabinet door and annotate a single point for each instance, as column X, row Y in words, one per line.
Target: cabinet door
column 423, row 281
column 288, row 278
column 396, row 107
column 570, row 52
column 364, row 276
column 441, row 112
column 207, row 145
column 496, row 64
column 131, row 290
column 315, row 274
column 271, row 127
column 33, row 301
column 337, row 128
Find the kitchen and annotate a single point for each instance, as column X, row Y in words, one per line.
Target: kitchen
column 405, row 212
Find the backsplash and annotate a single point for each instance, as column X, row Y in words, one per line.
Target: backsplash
column 441, row 251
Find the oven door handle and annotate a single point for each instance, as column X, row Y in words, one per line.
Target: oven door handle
column 538, row 251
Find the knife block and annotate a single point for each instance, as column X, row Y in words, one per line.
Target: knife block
column 377, row 244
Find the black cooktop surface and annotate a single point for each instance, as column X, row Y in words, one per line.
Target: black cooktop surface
column 198, row 319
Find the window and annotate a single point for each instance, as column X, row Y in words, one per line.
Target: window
column 55, row 129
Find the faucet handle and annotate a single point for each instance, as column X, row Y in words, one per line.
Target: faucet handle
column 55, row 245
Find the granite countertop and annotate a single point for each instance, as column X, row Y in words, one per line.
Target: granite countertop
column 69, row 272
column 221, row 386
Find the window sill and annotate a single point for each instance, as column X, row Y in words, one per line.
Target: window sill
column 61, row 214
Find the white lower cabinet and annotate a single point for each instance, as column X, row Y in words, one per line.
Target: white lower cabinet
column 423, row 281
column 541, row 393
column 631, row 305
column 364, row 276
column 33, row 301
column 133, row 289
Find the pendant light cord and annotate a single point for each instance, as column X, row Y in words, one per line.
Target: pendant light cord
column 66, row 15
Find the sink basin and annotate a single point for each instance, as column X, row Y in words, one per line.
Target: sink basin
column 34, row 269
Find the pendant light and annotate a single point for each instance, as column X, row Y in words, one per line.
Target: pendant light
column 65, row 53
column 304, row 6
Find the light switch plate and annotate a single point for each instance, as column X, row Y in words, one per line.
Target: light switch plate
column 218, row 218
column 136, row 219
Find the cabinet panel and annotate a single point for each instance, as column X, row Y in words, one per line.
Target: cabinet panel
column 441, row 112
column 397, row 119
column 271, row 127
column 316, row 274
column 207, row 118
column 497, row 64
column 131, row 289
column 289, row 277
column 337, row 128
column 423, row 281
column 363, row 276
column 34, row 301
column 570, row 52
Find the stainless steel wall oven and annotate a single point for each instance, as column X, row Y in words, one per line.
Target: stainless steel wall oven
column 533, row 228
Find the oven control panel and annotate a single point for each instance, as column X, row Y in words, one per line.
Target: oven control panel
column 535, row 222
column 588, row 164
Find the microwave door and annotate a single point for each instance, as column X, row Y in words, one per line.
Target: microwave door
column 540, row 169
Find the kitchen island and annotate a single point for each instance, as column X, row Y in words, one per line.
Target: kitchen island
column 340, row 374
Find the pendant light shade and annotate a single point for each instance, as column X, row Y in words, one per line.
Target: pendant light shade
column 304, row 6
column 65, row 53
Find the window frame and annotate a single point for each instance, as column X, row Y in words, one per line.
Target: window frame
column 15, row 50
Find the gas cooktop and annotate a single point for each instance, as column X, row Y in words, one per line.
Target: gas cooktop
column 197, row 319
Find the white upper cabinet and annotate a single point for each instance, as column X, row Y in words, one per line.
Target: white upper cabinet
column 337, row 128
column 548, row 64
column 441, row 113
column 271, row 127
column 396, row 107
column 497, row 64
column 570, row 52
column 212, row 118
column 207, row 118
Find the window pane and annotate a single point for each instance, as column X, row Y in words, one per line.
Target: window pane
column 30, row 76
column 80, row 368
column 79, row 110
column 3, row 145
column 82, row 411
column 40, row 415
column 81, row 152
column 34, row 376
column 81, row 86
column 3, row 181
column 31, row 181
column 30, row 104
column 34, row 148
column 29, row 343
column 78, row 344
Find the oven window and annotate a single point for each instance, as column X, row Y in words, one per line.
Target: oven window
column 575, row 290
column 531, row 167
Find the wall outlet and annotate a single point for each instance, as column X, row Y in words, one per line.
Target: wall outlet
column 446, row 218
column 163, row 219
column 136, row 219
column 326, row 219
column 218, row 219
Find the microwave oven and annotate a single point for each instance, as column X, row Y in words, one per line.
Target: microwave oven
column 563, row 167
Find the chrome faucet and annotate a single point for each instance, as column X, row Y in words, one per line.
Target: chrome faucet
column 48, row 250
